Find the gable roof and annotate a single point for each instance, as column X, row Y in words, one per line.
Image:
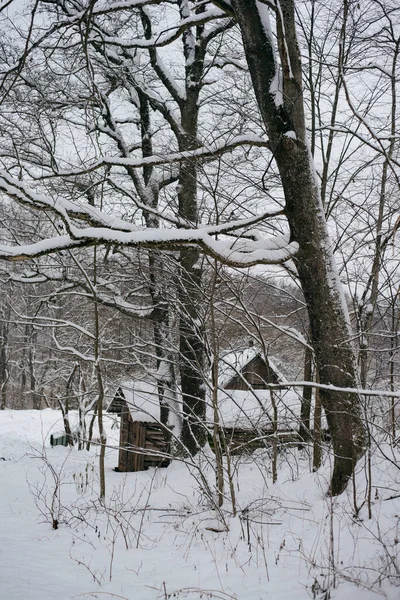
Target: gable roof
column 252, row 408
column 232, row 364
column 140, row 398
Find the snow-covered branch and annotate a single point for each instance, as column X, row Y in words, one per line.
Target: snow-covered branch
column 241, row 252
column 333, row 388
column 203, row 153
column 65, row 209
column 166, row 37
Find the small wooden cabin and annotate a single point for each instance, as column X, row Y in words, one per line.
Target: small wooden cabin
column 247, row 407
column 142, row 437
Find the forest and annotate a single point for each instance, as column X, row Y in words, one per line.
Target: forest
column 199, row 259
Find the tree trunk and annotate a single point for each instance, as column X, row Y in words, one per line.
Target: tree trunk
column 280, row 99
column 317, row 442
column 191, row 343
column 4, row 326
column 170, row 415
column 304, row 430
column 35, row 396
column 194, row 435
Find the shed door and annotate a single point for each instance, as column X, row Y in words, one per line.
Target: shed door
column 133, row 435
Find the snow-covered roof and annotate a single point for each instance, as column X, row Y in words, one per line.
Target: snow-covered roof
column 245, row 409
column 142, row 400
column 232, row 363
column 248, row 409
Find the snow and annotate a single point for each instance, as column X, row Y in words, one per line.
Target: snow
column 242, row 409
column 163, row 38
column 271, row 250
column 156, row 534
column 142, row 400
column 232, row 363
column 245, row 409
column 263, row 11
column 282, row 24
column 276, row 88
column 178, row 90
column 252, row 408
column 22, row 193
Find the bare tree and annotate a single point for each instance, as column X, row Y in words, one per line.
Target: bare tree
column 277, row 81
column 136, row 159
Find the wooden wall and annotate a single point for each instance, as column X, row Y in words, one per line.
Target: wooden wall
column 255, row 375
column 139, row 445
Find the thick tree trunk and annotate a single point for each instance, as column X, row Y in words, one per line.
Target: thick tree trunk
column 4, row 326
column 330, row 330
column 170, row 415
column 170, row 410
column 191, row 343
column 279, row 96
column 191, row 346
column 317, row 442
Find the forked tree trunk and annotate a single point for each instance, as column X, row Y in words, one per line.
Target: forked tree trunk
column 279, row 95
column 169, row 406
column 191, row 343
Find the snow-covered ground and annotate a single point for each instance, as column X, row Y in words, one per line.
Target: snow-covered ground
column 157, row 536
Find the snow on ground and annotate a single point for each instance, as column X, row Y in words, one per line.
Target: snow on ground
column 157, row 536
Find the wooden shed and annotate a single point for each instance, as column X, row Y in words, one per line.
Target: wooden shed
column 142, row 437
column 250, row 414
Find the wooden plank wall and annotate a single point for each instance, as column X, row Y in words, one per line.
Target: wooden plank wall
column 136, row 435
column 247, row 440
column 155, row 442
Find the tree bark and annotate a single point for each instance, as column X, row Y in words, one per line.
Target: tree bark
column 191, row 343
column 170, row 415
column 282, row 111
column 4, row 374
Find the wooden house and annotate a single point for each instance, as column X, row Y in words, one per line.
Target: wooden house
column 250, row 413
column 142, row 437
